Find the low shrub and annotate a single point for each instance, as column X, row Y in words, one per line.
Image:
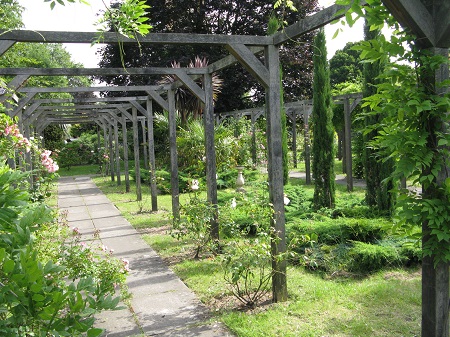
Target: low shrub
column 333, row 231
column 298, row 201
column 366, row 257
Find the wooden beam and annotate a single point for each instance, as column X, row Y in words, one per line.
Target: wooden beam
column 5, row 45
column 192, row 85
column 83, row 106
column 143, row 88
column 158, row 99
column 442, row 21
column 87, row 100
column 99, row 71
column 412, row 14
column 250, row 62
column 108, row 37
column 309, row 23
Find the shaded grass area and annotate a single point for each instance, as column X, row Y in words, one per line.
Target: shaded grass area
column 385, row 303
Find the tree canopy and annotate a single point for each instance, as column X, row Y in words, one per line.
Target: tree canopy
column 239, row 89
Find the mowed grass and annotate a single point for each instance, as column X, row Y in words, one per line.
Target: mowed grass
column 387, row 303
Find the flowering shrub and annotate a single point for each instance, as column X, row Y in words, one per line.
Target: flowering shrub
column 42, row 294
column 11, row 140
column 48, row 163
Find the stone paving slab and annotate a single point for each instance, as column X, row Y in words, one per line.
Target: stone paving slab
column 161, row 305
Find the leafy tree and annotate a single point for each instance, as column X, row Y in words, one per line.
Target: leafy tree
column 323, row 133
column 10, row 14
column 239, row 89
column 346, row 65
column 377, row 169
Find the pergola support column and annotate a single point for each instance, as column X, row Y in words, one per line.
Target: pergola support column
column 173, row 155
column 125, row 153
column 151, row 155
column 307, row 149
column 348, row 143
column 137, row 166
column 211, row 181
column 117, row 152
column 275, row 164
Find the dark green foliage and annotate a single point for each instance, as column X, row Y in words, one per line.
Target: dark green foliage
column 218, row 17
column 77, row 152
column 323, row 133
column 377, row 170
column 346, row 66
column 53, row 137
column 342, row 230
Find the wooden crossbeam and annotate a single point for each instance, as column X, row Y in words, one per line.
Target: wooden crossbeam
column 99, row 71
column 111, row 38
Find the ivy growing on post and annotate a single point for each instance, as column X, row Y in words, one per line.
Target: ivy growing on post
column 323, row 131
column 414, row 102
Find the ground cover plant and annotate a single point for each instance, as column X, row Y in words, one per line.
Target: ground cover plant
column 347, row 275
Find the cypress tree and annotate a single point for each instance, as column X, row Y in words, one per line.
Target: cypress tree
column 376, row 171
column 322, row 127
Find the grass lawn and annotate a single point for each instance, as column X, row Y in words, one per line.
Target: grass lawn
column 382, row 303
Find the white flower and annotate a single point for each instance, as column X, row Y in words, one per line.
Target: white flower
column 233, row 203
column 286, row 200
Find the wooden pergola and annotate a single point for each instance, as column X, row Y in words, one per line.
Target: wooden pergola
column 429, row 20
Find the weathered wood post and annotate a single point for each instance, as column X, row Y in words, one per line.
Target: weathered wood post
column 275, row 165
column 254, row 145
column 137, row 164
column 110, row 149
column 125, row 153
column 294, row 137
column 348, row 143
column 151, row 155
column 307, row 147
column 173, row 155
column 144, row 142
column 435, row 279
column 117, row 152
column 211, row 181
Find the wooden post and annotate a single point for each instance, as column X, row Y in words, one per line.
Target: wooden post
column 110, row 150
column 117, row 152
column 435, row 279
column 125, row 153
column 151, row 155
column 144, row 142
column 253, row 128
column 294, row 138
column 173, row 155
column 348, row 143
column 211, row 181
column 275, row 164
column 137, row 165
column 307, row 149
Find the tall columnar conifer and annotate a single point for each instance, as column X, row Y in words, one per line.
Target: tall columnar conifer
column 376, row 170
column 323, row 132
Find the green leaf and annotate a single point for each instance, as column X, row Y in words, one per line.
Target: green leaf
column 94, row 332
column 8, row 266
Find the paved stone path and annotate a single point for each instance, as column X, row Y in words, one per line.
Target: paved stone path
column 161, row 305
